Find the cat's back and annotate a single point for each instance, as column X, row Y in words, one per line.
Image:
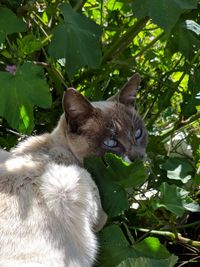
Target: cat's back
column 45, row 209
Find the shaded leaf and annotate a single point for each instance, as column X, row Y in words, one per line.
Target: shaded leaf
column 77, row 40
column 146, row 262
column 116, row 250
column 9, row 23
column 157, row 10
column 191, row 99
column 20, row 92
column 185, row 38
column 113, row 196
column 127, row 175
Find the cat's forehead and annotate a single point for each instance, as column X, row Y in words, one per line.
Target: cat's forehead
column 115, row 109
column 103, row 105
column 117, row 116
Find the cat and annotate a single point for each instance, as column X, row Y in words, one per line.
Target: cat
column 50, row 207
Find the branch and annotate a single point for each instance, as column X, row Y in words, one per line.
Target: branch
column 178, row 126
column 123, row 42
column 172, row 236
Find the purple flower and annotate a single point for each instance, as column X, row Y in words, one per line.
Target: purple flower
column 11, row 69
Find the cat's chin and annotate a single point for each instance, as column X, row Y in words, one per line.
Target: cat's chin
column 126, row 159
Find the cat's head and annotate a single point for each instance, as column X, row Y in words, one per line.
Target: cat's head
column 106, row 126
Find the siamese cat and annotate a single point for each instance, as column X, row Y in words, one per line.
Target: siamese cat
column 50, row 207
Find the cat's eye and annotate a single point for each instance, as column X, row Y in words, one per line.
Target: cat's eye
column 110, row 142
column 138, row 133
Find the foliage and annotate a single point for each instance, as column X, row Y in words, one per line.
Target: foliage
column 95, row 45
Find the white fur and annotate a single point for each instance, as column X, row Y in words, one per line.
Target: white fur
column 49, row 206
column 3, row 155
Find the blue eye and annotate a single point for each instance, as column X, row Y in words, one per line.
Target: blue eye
column 138, row 133
column 110, row 142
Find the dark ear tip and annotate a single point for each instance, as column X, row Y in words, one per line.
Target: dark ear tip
column 69, row 91
column 136, row 76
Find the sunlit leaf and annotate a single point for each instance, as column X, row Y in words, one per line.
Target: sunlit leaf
column 176, row 200
column 178, row 169
column 19, row 92
column 116, row 250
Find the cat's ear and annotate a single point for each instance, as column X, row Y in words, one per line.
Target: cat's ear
column 76, row 107
column 128, row 92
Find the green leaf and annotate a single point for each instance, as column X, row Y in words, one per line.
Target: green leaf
column 9, row 23
column 114, row 247
column 164, row 100
column 20, row 92
column 178, row 169
column 185, row 38
column 113, row 196
column 117, row 176
column 127, row 175
column 146, row 262
column 151, row 247
column 158, row 10
column 176, row 200
column 116, row 250
column 191, row 99
column 77, row 40
column 113, row 236
column 29, row 44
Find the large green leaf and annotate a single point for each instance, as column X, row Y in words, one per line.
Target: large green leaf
column 113, row 196
column 76, row 40
column 9, row 23
column 113, row 176
column 185, row 38
column 191, row 99
column 165, row 13
column 19, row 92
column 178, row 169
column 176, row 200
column 127, row 175
column 116, row 250
column 146, row 262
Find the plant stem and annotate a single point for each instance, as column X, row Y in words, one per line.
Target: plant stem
column 180, row 125
column 149, row 45
column 120, row 44
column 172, row 236
column 79, row 5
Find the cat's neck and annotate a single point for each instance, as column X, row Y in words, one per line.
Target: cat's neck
column 54, row 145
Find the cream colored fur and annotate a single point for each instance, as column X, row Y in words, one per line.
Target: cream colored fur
column 3, row 155
column 49, row 206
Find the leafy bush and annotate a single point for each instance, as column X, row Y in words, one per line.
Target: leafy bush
column 95, row 45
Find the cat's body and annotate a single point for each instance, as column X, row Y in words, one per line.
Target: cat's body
column 50, row 207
